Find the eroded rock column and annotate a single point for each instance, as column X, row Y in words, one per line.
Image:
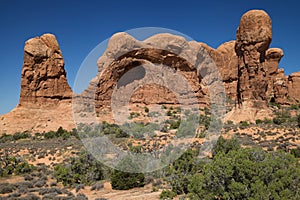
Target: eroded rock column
column 253, row 38
column 43, row 74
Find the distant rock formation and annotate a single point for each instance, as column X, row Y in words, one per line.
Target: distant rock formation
column 45, row 97
column 248, row 67
column 43, row 75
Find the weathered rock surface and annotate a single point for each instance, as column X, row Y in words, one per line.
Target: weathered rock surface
column 125, row 54
column 253, row 38
column 45, row 97
column 43, row 74
column 293, row 85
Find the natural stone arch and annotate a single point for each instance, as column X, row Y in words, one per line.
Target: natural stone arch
column 111, row 75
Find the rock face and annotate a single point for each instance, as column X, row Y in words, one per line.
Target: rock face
column 253, row 38
column 45, row 97
column 43, row 74
column 158, row 54
column 294, row 86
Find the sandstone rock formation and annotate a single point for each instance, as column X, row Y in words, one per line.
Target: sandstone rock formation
column 253, row 38
column 293, row 84
column 164, row 56
column 43, row 74
column 247, row 66
column 45, row 97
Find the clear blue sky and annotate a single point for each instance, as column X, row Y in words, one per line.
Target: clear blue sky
column 80, row 25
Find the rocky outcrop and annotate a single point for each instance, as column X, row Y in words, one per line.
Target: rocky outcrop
column 293, row 85
column 45, row 97
column 43, row 75
column 253, row 38
column 119, row 59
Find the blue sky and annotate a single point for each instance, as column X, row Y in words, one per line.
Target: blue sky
column 81, row 25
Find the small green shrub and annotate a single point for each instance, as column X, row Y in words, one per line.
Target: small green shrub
column 226, row 146
column 278, row 121
column 84, row 169
column 296, row 152
column 11, row 165
column 167, row 194
column 5, row 138
column 175, row 124
column 258, row 121
column 122, row 180
column 23, row 135
column 244, row 123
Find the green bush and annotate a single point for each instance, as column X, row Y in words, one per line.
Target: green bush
column 50, row 135
column 167, row 194
column 295, row 107
column 225, row 146
column 23, row 135
column 244, row 123
column 123, row 180
column 5, row 138
column 179, row 173
column 258, row 121
column 174, row 124
column 11, row 165
column 278, row 121
column 296, row 152
column 169, row 113
column 248, row 174
column 84, row 169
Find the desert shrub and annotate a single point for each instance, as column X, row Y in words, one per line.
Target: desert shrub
column 204, row 120
column 258, row 121
column 179, row 173
column 135, row 149
column 278, row 121
column 81, row 196
column 22, row 135
column 174, row 124
column 169, row 113
column 133, row 115
column 5, row 138
column 121, row 134
column 229, row 122
column 294, row 107
column 61, row 133
column 50, row 135
column 84, row 169
column 248, row 174
column 6, row 188
column 296, row 152
column 122, row 180
column 23, row 167
column 146, row 109
column 10, row 165
column 167, row 194
column 138, row 130
column 244, row 123
column 225, row 145
column 298, row 120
